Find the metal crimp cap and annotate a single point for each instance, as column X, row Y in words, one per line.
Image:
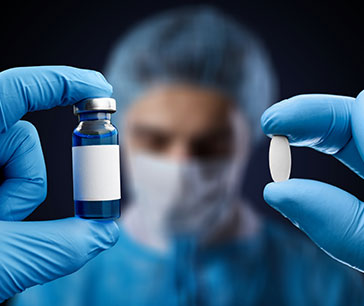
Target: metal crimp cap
column 94, row 105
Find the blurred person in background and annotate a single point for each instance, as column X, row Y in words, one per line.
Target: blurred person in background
column 191, row 85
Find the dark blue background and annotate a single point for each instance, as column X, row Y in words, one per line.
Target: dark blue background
column 315, row 48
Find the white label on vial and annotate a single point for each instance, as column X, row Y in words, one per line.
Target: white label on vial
column 279, row 158
column 96, row 173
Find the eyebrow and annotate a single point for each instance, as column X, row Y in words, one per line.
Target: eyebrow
column 218, row 132
column 141, row 129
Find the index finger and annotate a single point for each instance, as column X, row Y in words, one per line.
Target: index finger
column 29, row 89
column 321, row 122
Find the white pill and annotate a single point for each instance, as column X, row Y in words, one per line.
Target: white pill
column 279, row 158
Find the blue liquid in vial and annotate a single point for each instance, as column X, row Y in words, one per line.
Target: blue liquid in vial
column 96, row 129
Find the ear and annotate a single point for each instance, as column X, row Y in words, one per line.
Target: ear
column 242, row 134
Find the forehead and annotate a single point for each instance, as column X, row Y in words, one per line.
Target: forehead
column 181, row 107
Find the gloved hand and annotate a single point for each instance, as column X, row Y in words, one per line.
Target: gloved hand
column 331, row 217
column 37, row 252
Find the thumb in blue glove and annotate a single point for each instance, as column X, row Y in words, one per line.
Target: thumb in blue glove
column 331, row 217
column 37, row 252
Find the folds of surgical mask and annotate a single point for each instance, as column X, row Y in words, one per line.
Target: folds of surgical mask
column 183, row 197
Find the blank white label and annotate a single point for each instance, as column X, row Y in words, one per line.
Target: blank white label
column 96, row 173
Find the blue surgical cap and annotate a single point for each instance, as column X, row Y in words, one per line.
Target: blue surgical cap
column 198, row 45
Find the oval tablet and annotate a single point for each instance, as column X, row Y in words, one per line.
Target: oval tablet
column 279, row 158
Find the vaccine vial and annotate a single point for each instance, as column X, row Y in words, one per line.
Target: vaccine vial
column 96, row 160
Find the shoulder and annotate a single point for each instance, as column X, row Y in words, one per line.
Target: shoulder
column 55, row 293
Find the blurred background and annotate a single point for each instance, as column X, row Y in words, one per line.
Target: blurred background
column 315, row 49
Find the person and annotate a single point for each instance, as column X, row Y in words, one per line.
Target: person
column 37, row 252
column 191, row 85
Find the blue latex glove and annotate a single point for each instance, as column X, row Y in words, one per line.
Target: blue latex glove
column 331, row 217
column 37, row 252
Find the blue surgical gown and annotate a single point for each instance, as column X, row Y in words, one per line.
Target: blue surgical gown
column 275, row 267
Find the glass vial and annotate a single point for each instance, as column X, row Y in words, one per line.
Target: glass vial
column 96, row 160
